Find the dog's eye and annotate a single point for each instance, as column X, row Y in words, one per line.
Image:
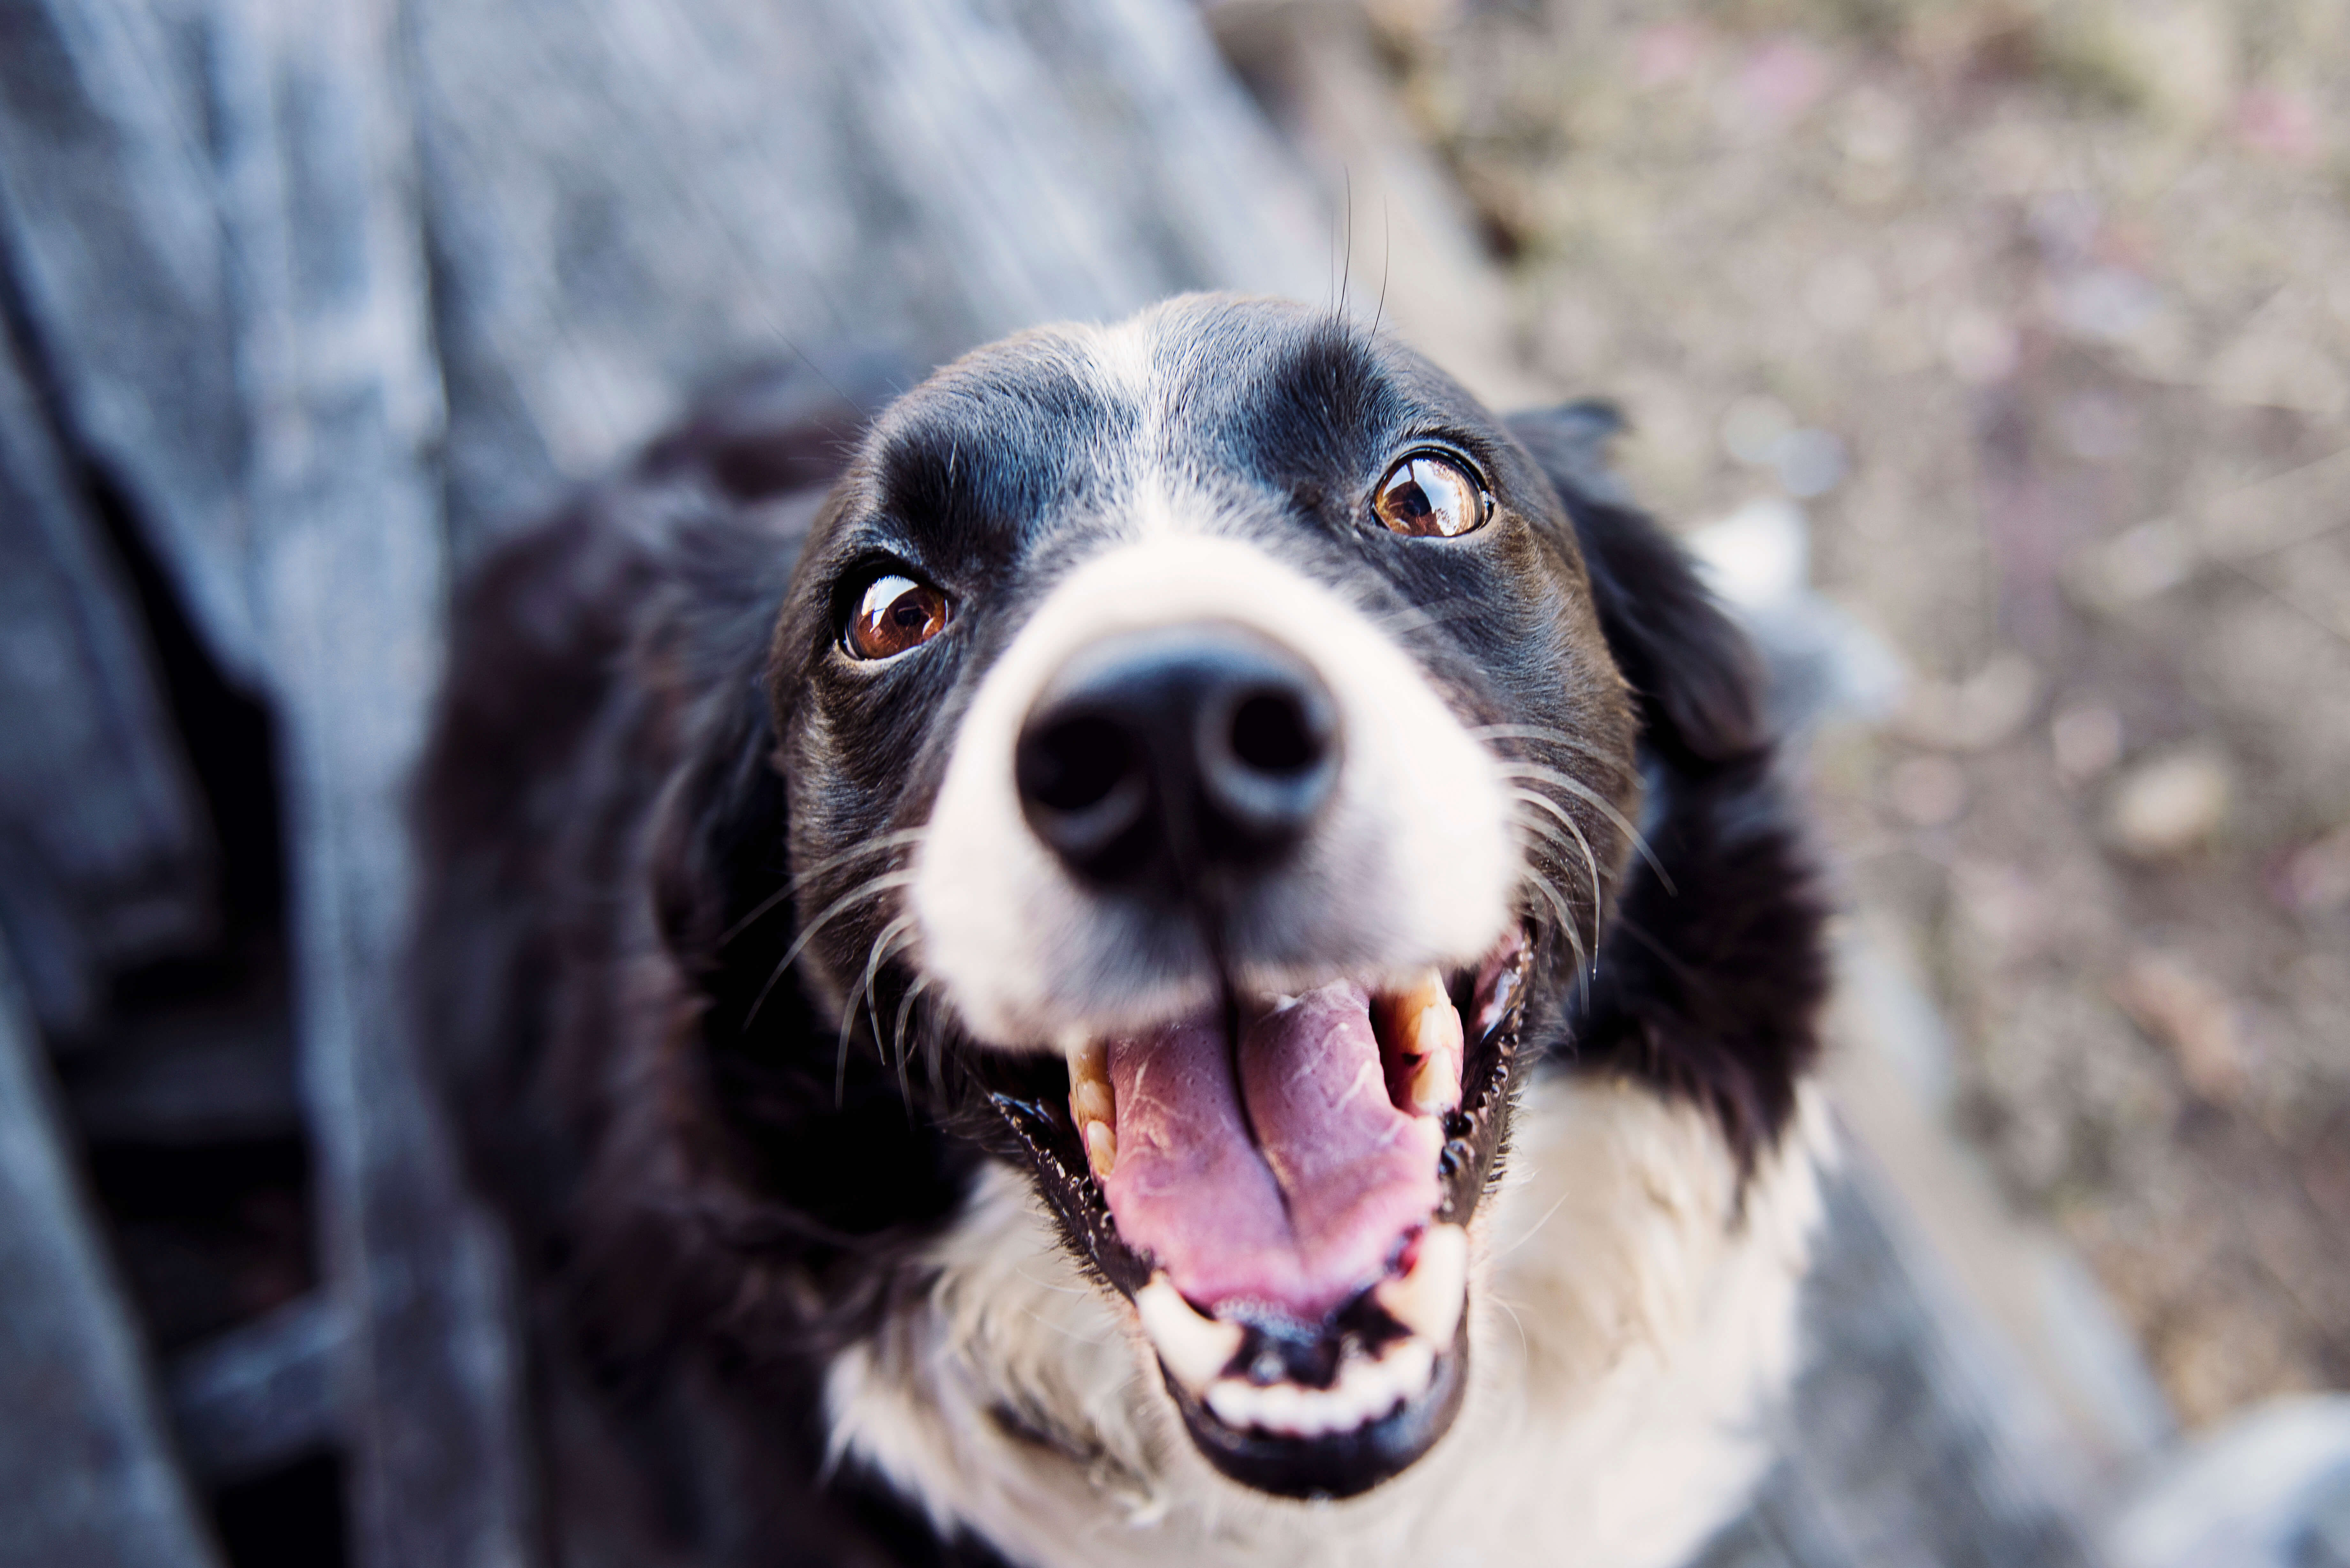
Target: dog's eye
column 1428, row 495
column 895, row 615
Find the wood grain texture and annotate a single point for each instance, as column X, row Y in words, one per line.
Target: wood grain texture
column 105, row 849
column 348, row 566
column 119, row 270
column 626, row 199
column 1901, row 1446
column 87, row 1477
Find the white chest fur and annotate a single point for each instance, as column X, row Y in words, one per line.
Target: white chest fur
column 1630, row 1326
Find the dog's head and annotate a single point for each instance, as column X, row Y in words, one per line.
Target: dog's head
column 1204, row 752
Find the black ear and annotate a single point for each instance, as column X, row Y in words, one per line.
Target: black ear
column 1712, row 970
column 1697, row 683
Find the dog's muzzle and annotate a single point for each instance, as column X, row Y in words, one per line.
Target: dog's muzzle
column 1213, row 840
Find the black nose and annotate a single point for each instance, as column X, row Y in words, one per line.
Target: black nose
column 1203, row 747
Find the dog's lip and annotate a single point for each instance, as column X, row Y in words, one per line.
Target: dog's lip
column 1321, row 1455
column 1028, row 1094
column 1337, row 1464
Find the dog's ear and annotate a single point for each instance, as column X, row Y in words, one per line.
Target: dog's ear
column 1697, row 681
column 1713, row 968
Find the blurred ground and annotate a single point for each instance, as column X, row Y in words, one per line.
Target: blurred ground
column 2041, row 309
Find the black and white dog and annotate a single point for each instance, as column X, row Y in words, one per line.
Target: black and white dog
column 1189, row 955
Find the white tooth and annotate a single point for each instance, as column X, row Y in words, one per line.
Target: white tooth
column 1428, row 1301
column 1411, row 1367
column 1090, row 1101
column 1234, row 1403
column 1433, row 1090
column 1101, row 1148
column 1436, row 1027
column 1356, row 1400
column 1281, row 1405
column 1423, row 1028
column 1195, row 1348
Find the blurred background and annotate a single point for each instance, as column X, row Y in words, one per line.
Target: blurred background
column 1993, row 355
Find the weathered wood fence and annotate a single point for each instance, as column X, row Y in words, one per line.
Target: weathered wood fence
column 301, row 302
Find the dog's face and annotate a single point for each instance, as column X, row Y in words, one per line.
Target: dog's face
column 1202, row 744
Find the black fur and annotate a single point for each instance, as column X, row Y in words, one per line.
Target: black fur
column 707, row 1197
column 1712, row 974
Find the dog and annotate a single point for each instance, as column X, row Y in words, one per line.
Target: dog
column 1184, row 948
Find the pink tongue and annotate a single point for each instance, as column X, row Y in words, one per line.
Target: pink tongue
column 1301, row 1221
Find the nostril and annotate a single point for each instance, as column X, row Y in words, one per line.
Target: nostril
column 1198, row 746
column 1273, row 734
column 1268, row 760
column 1074, row 764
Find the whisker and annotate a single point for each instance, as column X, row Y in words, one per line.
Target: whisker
column 1590, row 861
column 885, row 942
column 1567, row 922
column 897, row 1036
column 829, row 863
column 1535, row 1229
column 1044, row 1322
column 1575, row 786
column 1525, row 1349
column 873, row 888
column 934, row 1063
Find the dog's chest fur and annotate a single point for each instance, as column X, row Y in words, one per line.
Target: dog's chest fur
column 1641, row 1318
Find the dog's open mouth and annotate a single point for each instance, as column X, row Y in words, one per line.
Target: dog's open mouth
column 1288, row 1212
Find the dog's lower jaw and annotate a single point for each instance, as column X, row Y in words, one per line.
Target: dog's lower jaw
column 1631, row 1315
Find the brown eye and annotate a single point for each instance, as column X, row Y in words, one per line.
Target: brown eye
column 1430, row 496
column 896, row 616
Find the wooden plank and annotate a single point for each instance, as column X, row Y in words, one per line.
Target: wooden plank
column 123, row 282
column 349, row 566
column 626, row 199
column 1901, row 1444
column 105, row 849
column 1907, row 1442
column 242, row 348
column 86, row 1480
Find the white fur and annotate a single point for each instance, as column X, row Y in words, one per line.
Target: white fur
column 1629, row 1325
column 1412, row 865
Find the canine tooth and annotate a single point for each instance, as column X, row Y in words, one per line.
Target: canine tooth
column 1092, row 1104
column 1088, row 1062
column 1091, row 1101
column 1430, row 1092
column 1436, row 1026
column 1424, row 1030
column 1428, row 1300
column 1101, row 1148
column 1195, row 1348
